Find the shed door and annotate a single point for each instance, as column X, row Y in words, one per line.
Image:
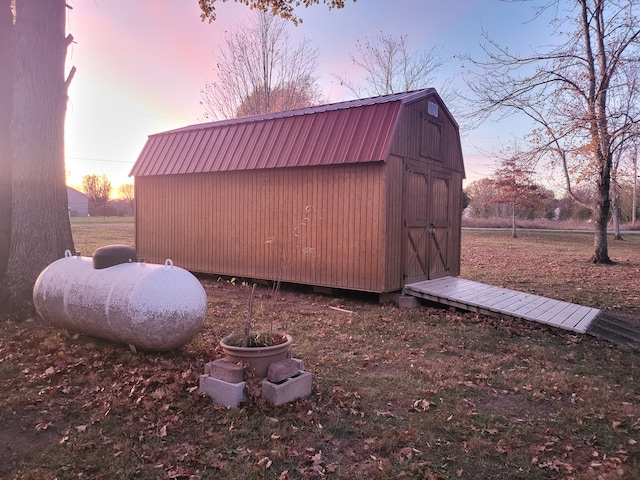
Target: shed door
column 439, row 226
column 426, row 221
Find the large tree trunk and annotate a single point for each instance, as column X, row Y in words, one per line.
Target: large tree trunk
column 40, row 228
column 6, row 102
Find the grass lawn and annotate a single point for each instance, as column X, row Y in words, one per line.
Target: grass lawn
column 425, row 393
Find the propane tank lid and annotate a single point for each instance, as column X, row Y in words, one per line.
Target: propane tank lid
column 105, row 257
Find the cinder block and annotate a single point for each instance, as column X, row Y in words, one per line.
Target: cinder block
column 292, row 389
column 408, row 301
column 283, row 369
column 223, row 393
column 300, row 363
column 225, row 370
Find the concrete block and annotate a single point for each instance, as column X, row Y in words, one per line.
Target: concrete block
column 223, row 393
column 224, row 370
column 300, row 363
column 279, row 371
column 291, row 389
column 408, row 301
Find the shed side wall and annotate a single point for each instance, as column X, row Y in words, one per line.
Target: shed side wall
column 219, row 223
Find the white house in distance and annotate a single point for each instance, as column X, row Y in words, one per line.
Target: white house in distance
column 78, row 203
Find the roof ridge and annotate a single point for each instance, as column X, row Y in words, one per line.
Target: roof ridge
column 402, row 97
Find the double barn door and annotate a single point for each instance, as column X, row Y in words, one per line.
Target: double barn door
column 426, row 225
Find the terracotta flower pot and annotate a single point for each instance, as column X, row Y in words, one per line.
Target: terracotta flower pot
column 258, row 358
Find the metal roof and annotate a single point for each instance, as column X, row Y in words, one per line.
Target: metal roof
column 347, row 132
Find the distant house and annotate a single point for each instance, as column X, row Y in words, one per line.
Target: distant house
column 78, row 203
column 379, row 179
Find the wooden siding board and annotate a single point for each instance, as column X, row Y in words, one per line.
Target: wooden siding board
column 345, row 223
column 393, row 234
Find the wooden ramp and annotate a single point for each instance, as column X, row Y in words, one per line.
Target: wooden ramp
column 496, row 301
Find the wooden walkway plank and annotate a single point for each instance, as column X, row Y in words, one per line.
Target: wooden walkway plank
column 535, row 302
column 513, row 301
column 581, row 319
column 491, row 296
column 556, row 315
column 491, row 300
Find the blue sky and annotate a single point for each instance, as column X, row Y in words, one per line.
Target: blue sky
column 142, row 64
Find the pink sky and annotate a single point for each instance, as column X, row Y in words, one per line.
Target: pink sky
column 141, row 65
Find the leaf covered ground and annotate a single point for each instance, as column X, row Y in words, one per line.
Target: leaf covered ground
column 424, row 393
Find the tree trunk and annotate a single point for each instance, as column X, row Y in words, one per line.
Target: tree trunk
column 615, row 211
column 40, row 228
column 601, row 216
column 514, row 234
column 6, row 103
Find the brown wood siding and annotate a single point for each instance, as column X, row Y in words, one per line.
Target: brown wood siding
column 394, row 224
column 219, row 223
column 414, row 128
column 410, row 136
column 455, row 241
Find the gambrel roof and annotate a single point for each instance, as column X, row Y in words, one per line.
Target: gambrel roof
column 340, row 133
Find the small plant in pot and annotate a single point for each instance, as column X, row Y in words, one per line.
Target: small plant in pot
column 260, row 349
column 257, row 350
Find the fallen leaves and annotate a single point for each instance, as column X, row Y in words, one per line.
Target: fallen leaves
column 430, row 394
column 422, row 405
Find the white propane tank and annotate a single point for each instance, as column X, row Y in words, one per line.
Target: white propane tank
column 155, row 307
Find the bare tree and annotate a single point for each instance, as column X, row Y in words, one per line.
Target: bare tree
column 98, row 189
column 126, row 192
column 392, row 66
column 260, row 71
column 573, row 92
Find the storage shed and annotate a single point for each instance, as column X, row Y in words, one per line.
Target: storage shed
column 361, row 195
